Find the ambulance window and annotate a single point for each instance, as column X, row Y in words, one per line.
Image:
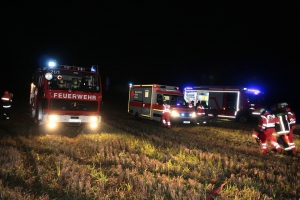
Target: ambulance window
column 159, row 99
column 146, row 93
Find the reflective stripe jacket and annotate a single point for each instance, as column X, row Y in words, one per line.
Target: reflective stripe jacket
column 267, row 121
column 166, row 108
column 291, row 118
column 6, row 100
column 282, row 126
column 200, row 110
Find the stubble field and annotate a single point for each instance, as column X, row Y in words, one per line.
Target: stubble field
column 130, row 159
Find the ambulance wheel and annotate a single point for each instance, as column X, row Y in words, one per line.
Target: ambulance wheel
column 161, row 123
column 137, row 116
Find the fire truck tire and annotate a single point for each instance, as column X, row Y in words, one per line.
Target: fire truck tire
column 39, row 112
column 32, row 112
column 42, row 129
column 243, row 119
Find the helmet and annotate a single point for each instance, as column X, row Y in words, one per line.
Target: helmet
column 264, row 111
column 6, row 92
column 282, row 106
column 287, row 108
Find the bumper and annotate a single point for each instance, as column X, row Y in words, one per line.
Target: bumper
column 183, row 120
column 70, row 120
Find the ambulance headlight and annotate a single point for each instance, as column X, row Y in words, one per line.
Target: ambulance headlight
column 194, row 114
column 174, row 113
column 52, row 118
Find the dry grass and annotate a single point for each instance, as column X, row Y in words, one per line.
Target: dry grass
column 131, row 159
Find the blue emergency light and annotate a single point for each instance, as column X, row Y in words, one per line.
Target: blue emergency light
column 254, row 91
column 52, row 63
column 94, row 68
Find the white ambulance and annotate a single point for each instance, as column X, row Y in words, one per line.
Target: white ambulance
column 146, row 101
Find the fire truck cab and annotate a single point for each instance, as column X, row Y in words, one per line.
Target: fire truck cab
column 241, row 104
column 146, row 101
column 66, row 94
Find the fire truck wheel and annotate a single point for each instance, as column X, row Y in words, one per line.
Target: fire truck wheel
column 32, row 112
column 243, row 119
column 41, row 129
column 39, row 112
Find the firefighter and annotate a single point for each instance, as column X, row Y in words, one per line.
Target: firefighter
column 197, row 104
column 200, row 114
column 166, row 115
column 215, row 116
column 265, row 130
column 206, row 110
column 75, row 83
column 191, row 104
column 6, row 102
column 282, row 126
column 292, row 122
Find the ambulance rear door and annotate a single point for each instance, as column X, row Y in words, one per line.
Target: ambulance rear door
column 140, row 101
column 146, row 99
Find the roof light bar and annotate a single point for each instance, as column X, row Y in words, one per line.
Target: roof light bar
column 255, row 91
column 94, row 68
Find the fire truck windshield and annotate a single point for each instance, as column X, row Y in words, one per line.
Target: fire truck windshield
column 175, row 100
column 79, row 81
column 255, row 99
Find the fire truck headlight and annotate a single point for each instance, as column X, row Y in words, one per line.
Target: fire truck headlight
column 48, row 76
column 174, row 113
column 51, row 124
column 94, row 125
column 94, row 119
column 52, row 118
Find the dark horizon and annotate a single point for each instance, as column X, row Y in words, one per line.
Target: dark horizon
column 247, row 45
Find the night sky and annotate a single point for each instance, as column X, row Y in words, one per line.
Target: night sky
column 182, row 44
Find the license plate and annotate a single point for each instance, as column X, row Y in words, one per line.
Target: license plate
column 74, row 120
column 186, row 122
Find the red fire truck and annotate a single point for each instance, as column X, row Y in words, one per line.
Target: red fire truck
column 237, row 103
column 146, row 101
column 66, row 94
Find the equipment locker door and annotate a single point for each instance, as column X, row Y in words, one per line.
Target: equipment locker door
column 231, row 100
column 146, row 102
column 216, row 101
